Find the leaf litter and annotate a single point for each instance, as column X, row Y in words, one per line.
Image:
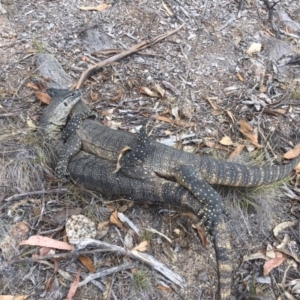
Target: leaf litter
column 188, row 71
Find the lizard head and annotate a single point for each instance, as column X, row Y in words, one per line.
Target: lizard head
column 55, row 115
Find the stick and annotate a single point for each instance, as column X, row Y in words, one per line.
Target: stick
column 19, row 196
column 143, row 257
column 86, row 74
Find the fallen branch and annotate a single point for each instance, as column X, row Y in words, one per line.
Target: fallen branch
column 86, row 74
column 90, row 277
column 22, row 195
column 143, row 257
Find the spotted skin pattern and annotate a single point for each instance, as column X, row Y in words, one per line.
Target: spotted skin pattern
column 142, row 148
column 213, row 204
column 75, row 123
column 73, row 144
column 168, row 162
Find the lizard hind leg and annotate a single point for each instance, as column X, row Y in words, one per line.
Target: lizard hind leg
column 213, row 204
column 139, row 151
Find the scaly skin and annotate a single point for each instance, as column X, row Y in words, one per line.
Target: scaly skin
column 137, row 183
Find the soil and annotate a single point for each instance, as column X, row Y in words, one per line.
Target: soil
column 194, row 86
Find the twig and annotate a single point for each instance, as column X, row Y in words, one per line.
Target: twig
column 107, row 272
column 86, row 74
column 143, row 257
column 19, row 196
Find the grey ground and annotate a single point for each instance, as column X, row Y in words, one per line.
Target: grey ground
column 202, row 60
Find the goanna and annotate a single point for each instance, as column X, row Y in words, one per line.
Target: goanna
column 190, row 170
column 132, row 181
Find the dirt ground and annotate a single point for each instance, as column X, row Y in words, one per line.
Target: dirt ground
column 195, row 86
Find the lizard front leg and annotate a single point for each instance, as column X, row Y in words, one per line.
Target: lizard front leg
column 70, row 149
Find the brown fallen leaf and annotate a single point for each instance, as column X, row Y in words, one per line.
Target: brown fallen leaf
column 146, row 91
column 239, row 76
column 239, row 148
column 14, row 297
column 211, row 103
column 33, row 86
column 94, row 96
column 30, row 123
column 273, row 263
column 247, row 130
column 118, row 96
column 100, row 7
column 88, row 263
column 164, row 288
column 44, row 97
column 74, row 286
column 282, row 226
column 216, row 146
column 44, row 251
column 201, row 233
column 121, row 154
column 141, row 247
column 102, row 229
column 292, row 153
column 231, row 116
column 160, row 90
column 42, row 241
column 177, row 122
column 226, row 141
column 114, row 219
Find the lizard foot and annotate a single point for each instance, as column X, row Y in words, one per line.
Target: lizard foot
column 62, row 172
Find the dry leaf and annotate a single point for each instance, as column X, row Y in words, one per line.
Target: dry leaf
column 210, row 144
column 146, row 91
column 273, row 263
column 170, row 13
column 201, row 233
column 88, row 263
column 211, row 103
column 231, row 116
column 30, row 123
column 164, row 288
column 292, row 153
column 14, row 297
column 247, row 130
column 287, row 252
column 121, row 154
column 257, row 255
column 42, row 241
column 240, row 77
column 169, row 252
column 174, row 112
column 141, row 247
column 100, row 7
column 94, row 96
column 226, row 141
column 74, row 286
column 239, row 148
column 114, row 219
column 177, row 122
column 45, row 251
column 160, row 90
column 33, row 86
column 44, row 97
column 254, row 48
column 118, row 97
column 282, row 226
column 281, row 111
column 103, row 228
